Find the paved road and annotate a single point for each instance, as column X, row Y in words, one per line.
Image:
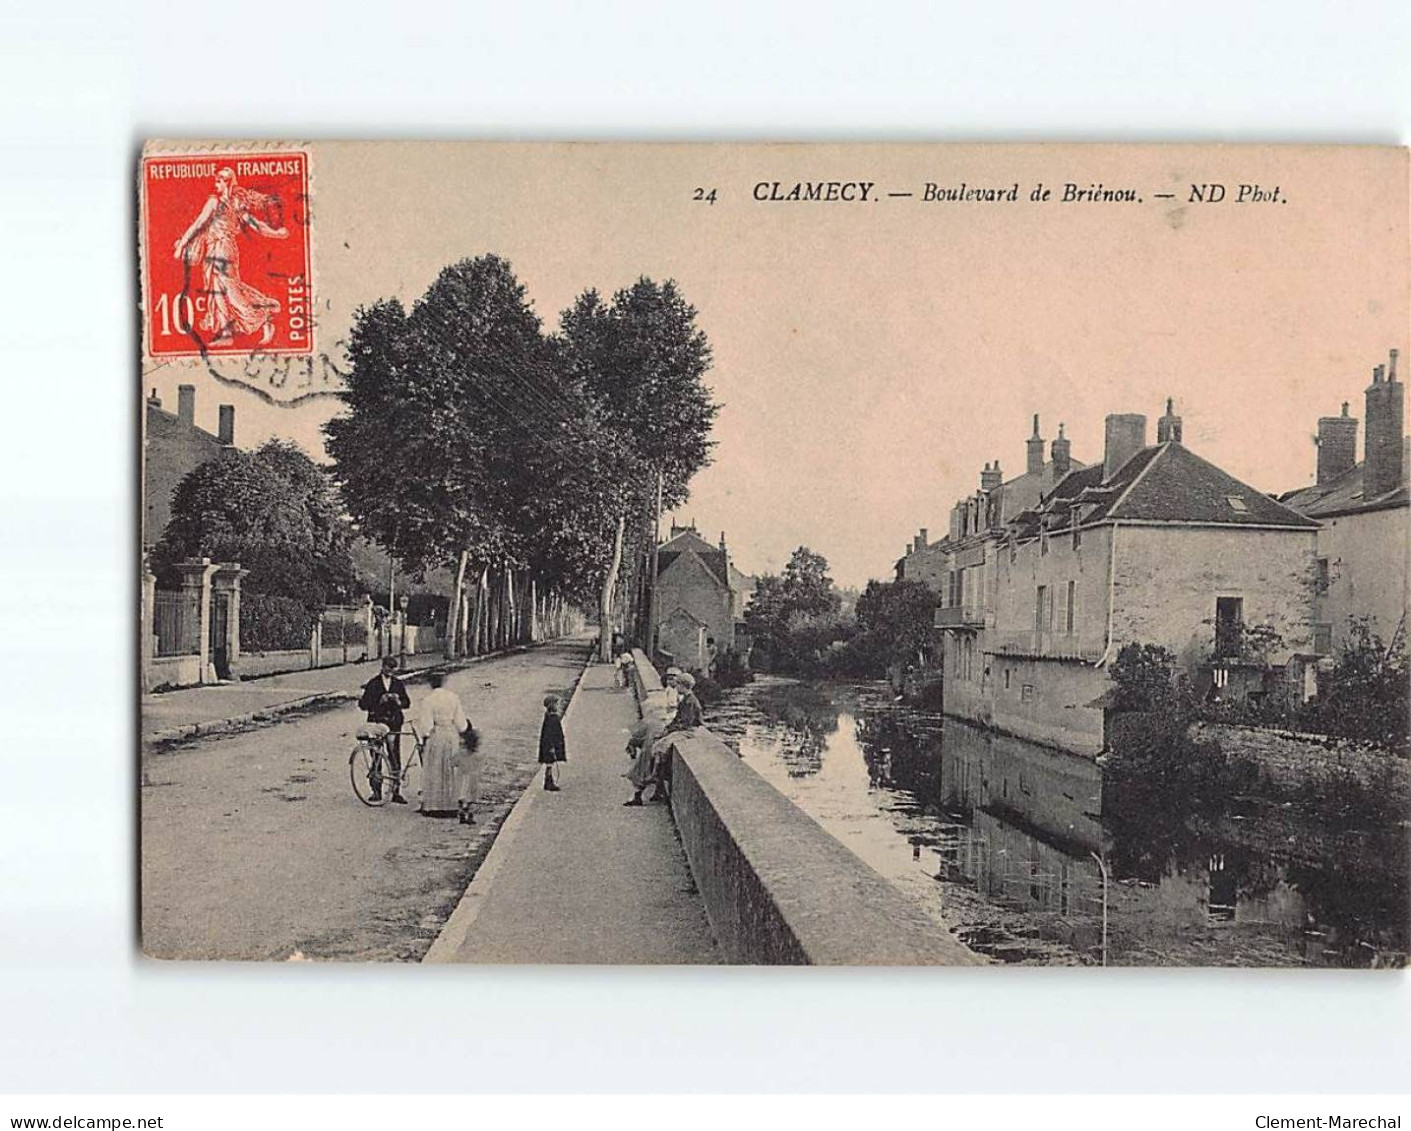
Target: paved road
column 253, row 845
column 578, row 878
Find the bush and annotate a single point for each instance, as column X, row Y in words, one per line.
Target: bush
column 1156, row 766
column 1364, row 696
column 707, row 690
column 731, row 670
column 274, row 624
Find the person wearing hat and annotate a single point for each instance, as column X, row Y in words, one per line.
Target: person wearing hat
column 656, row 769
column 551, row 744
column 384, row 699
column 673, row 693
column 639, row 749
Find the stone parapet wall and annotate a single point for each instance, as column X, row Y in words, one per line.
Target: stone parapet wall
column 1289, row 761
column 778, row 889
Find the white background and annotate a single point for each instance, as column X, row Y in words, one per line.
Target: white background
column 80, row 84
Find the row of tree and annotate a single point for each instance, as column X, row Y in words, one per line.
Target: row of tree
column 530, row 463
column 475, row 439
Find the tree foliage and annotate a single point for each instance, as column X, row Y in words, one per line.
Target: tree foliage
column 274, row 511
column 898, row 619
column 470, row 430
column 794, row 617
column 1364, row 696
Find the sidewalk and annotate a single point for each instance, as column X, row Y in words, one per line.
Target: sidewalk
column 173, row 714
column 574, row 876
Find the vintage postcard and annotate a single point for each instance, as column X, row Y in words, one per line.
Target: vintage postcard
column 774, row 554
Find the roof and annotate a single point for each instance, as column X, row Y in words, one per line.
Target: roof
column 162, row 425
column 686, row 540
column 713, row 562
column 1024, row 492
column 679, row 613
column 1170, row 483
column 1075, row 482
column 1342, row 495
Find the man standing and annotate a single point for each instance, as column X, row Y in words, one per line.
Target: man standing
column 385, row 699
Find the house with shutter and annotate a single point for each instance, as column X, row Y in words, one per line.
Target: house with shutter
column 1155, row 545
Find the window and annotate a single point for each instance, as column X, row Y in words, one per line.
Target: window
column 1006, row 679
column 1237, row 504
column 1026, row 693
column 1077, row 538
column 1322, row 577
column 1229, row 617
column 1323, row 639
column 1043, row 542
column 1068, row 607
column 1043, row 613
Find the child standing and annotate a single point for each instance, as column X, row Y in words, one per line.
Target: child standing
column 551, row 746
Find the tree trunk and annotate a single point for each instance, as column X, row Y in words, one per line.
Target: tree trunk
column 477, row 623
column 609, row 587
column 652, row 611
column 453, row 622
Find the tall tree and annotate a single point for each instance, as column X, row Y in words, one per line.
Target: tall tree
column 643, row 361
column 272, row 510
column 896, row 620
column 435, row 400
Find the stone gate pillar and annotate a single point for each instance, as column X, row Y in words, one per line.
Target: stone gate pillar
column 226, row 580
column 149, row 626
column 196, row 577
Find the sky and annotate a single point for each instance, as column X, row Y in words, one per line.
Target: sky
column 871, row 356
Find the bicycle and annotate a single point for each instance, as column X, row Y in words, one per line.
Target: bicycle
column 371, row 759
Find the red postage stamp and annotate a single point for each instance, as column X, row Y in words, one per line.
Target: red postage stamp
column 226, row 244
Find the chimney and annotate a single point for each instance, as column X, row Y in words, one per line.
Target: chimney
column 225, row 433
column 1126, row 436
column 991, row 477
column 1062, row 455
column 1337, row 445
column 154, row 400
column 1386, row 424
column 1168, row 428
column 1036, row 449
column 186, row 405
column 922, row 539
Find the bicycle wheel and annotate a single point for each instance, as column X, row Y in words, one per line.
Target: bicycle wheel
column 411, row 773
column 365, row 763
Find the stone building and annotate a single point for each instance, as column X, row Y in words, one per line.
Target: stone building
column 175, row 447
column 1042, row 588
column 1362, row 510
column 695, row 601
column 976, row 517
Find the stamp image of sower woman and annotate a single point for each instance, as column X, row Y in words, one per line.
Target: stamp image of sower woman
column 211, row 245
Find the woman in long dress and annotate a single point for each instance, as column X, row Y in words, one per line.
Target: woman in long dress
column 450, row 769
column 210, row 244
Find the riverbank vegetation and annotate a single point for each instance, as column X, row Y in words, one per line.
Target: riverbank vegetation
column 798, row 625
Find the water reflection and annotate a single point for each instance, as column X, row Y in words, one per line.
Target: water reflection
column 996, row 838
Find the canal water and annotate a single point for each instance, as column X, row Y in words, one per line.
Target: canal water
column 1006, row 843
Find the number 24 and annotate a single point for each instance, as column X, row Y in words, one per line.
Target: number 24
column 704, row 195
